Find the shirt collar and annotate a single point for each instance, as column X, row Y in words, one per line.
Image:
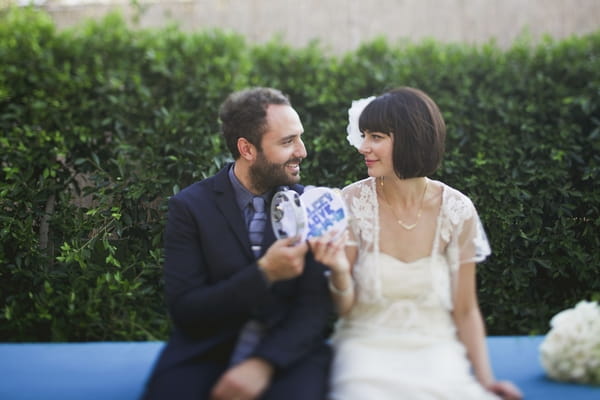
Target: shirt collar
column 243, row 196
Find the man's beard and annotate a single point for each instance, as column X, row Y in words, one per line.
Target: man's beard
column 266, row 175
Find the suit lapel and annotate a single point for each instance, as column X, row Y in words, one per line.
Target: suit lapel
column 226, row 203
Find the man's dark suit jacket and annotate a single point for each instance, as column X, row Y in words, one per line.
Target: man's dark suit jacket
column 214, row 286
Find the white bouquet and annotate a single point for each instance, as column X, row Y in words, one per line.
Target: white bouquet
column 571, row 350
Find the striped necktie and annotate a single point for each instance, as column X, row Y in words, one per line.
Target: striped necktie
column 253, row 330
column 256, row 227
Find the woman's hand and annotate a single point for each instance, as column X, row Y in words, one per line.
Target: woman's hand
column 329, row 250
column 506, row 390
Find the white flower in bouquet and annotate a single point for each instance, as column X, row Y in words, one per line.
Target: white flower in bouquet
column 354, row 135
column 571, row 350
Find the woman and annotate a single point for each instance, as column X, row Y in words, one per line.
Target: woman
column 410, row 323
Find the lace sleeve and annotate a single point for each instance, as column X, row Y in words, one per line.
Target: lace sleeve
column 362, row 205
column 362, row 209
column 473, row 242
column 463, row 231
column 352, row 225
column 463, row 237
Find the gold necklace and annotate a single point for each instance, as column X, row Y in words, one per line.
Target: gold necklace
column 408, row 227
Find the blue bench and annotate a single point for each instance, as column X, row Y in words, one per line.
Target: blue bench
column 118, row 370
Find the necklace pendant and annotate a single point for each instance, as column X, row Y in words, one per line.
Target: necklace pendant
column 407, row 227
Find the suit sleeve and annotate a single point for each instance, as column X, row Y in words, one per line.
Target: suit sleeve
column 198, row 306
column 305, row 325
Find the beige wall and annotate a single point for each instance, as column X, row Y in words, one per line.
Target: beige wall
column 343, row 24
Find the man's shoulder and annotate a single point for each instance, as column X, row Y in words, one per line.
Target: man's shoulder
column 195, row 189
column 202, row 187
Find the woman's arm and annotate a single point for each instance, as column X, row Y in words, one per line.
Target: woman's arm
column 339, row 258
column 341, row 284
column 471, row 332
column 469, row 324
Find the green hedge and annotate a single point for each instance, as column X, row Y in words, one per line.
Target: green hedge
column 102, row 123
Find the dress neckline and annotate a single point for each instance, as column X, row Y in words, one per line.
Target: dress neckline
column 434, row 246
column 418, row 260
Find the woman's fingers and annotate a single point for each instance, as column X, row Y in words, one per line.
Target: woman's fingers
column 329, row 249
column 330, row 242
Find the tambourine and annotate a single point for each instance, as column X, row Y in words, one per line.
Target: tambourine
column 313, row 213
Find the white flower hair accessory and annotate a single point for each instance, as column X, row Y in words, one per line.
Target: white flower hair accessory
column 354, row 135
column 571, row 350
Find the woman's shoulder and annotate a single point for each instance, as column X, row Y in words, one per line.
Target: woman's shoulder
column 450, row 191
column 358, row 185
column 456, row 201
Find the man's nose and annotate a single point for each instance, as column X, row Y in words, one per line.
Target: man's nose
column 300, row 150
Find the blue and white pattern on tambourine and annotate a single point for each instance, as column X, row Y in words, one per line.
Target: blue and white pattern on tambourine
column 315, row 212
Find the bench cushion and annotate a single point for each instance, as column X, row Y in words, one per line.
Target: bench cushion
column 118, row 370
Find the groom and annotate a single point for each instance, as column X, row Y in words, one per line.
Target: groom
column 250, row 313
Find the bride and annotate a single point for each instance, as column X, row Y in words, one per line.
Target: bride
column 403, row 278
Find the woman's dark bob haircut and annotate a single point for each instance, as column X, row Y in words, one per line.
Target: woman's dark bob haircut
column 416, row 126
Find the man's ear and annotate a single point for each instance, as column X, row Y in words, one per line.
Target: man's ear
column 247, row 150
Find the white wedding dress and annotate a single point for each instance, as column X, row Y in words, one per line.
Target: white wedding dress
column 399, row 340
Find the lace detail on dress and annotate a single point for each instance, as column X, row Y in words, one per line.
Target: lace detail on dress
column 460, row 238
column 391, row 342
column 461, row 228
column 362, row 203
column 456, row 211
column 481, row 243
column 363, row 206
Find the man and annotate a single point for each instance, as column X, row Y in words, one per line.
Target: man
column 249, row 318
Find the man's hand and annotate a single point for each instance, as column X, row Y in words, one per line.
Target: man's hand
column 245, row 381
column 283, row 260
